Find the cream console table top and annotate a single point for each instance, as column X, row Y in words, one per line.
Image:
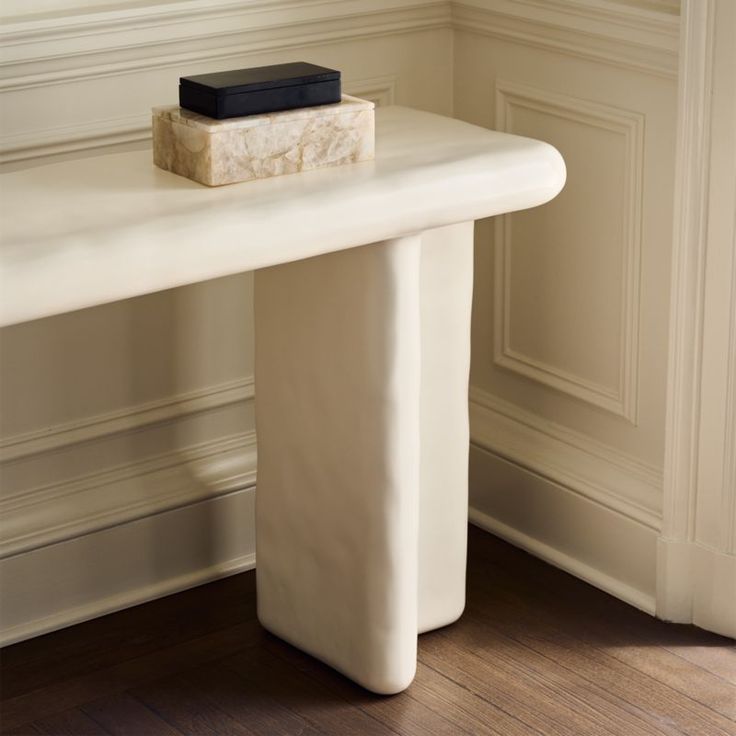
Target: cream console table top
column 363, row 287
column 84, row 232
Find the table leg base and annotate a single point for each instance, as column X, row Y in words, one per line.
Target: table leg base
column 362, row 361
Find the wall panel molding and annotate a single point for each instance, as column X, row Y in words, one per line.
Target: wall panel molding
column 137, row 128
column 687, row 307
column 131, row 418
column 49, row 514
column 639, row 37
column 728, row 490
column 127, row 521
column 622, row 399
column 46, row 51
column 36, row 516
column 379, row 90
column 697, row 561
column 597, row 472
column 113, row 509
column 68, row 139
column 78, row 46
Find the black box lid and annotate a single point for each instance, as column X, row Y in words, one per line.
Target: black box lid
column 237, row 81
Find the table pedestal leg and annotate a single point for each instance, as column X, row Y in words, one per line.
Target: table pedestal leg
column 361, row 409
column 446, row 287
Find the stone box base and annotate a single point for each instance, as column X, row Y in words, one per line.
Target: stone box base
column 215, row 152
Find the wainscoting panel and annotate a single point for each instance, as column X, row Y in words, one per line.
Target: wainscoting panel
column 582, row 340
column 101, row 72
column 127, row 443
column 570, row 316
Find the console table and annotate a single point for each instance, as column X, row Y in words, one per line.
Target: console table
column 363, row 291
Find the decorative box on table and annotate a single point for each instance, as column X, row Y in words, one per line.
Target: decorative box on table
column 261, row 89
column 255, row 146
column 216, row 152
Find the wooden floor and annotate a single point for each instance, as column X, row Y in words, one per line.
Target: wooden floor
column 537, row 652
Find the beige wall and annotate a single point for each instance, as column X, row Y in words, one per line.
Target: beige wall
column 571, row 302
column 126, row 431
column 697, row 549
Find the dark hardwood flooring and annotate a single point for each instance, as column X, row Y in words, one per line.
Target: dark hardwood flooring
column 537, row 652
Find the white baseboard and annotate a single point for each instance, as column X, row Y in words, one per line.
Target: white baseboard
column 697, row 585
column 714, row 597
column 92, row 545
column 596, row 472
column 166, row 502
column 603, row 547
column 91, row 575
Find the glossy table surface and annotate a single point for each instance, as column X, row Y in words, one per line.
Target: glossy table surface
column 79, row 233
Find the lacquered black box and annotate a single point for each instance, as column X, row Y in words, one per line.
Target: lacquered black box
column 258, row 90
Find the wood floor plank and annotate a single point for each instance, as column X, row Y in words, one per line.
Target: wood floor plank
column 462, row 707
column 123, row 715
column 659, row 703
column 635, row 645
column 646, row 657
column 678, row 673
column 537, row 653
column 188, row 709
column 404, row 713
column 306, row 698
column 566, row 687
column 27, row 729
column 69, row 723
column 107, row 640
column 515, row 689
column 493, row 559
column 718, row 660
column 596, row 708
column 248, row 700
column 79, row 690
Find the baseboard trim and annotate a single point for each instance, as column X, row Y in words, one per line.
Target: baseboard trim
column 553, row 556
column 126, row 600
column 591, row 469
column 142, row 559
column 599, row 545
column 105, row 134
column 696, row 585
column 52, row 588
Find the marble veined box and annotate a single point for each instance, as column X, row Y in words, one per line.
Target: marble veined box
column 216, row 152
